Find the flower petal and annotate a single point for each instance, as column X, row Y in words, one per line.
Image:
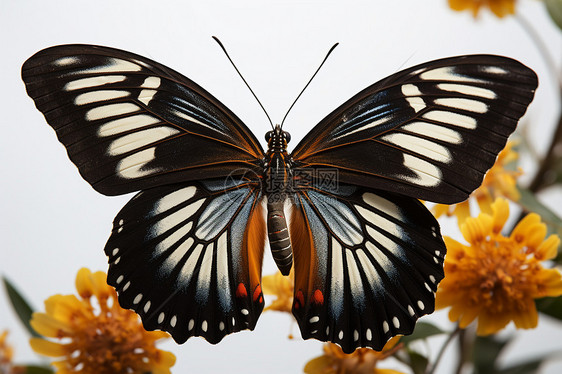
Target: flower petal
column 548, row 249
column 48, row 348
column 318, row 365
column 48, row 326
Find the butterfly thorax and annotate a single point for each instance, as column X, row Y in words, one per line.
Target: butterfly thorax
column 277, row 186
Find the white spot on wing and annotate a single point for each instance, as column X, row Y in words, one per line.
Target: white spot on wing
column 173, row 199
column 463, row 104
column 100, row 95
column 467, row 90
column 65, row 61
column 146, row 96
column 173, row 321
column 140, row 139
column 427, row 174
column 111, row 110
column 420, row 146
column 115, row 65
column 385, row 327
column 204, row 278
column 131, row 166
column 447, row 74
column 434, row 131
column 412, row 94
column 369, row 334
column 337, row 279
column 161, row 317
column 93, row 82
column 137, row 299
column 451, row 118
column 122, row 125
column 188, row 268
column 151, row 82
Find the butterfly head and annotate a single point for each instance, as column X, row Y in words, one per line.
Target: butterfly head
column 277, row 139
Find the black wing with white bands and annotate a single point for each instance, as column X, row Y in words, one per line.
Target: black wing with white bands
column 179, row 257
column 430, row 132
column 375, row 264
column 129, row 123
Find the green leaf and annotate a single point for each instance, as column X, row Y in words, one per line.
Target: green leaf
column 418, row 362
column 20, row 305
column 33, row 369
column 423, row 330
column 551, row 306
column 554, row 8
column 485, row 353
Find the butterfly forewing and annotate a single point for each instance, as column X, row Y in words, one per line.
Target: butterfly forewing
column 187, row 258
column 130, row 123
column 429, row 132
column 367, row 264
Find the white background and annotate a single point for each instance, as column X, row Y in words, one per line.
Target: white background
column 53, row 222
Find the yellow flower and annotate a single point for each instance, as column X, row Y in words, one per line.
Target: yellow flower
column 500, row 8
column 281, row 286
column 500, row 181
column 497, row 278
column 95, row 334
column 362, row 361
column 6, row 356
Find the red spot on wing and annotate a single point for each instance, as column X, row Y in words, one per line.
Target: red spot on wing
column 299, row 300
column 318, row 297
column 241, row 291
column 257, row 293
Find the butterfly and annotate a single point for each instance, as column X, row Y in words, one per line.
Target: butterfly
column 342, row 209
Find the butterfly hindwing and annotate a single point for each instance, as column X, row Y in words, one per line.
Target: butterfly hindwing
column 129, row 123
column 367, row 264
column 187, row 258
column 429, row 132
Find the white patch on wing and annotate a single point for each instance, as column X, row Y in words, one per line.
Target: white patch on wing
column 412, row 94
column 188, row 268
column 420, row 146
column 140, row 139
column 65, row 61
column 373, row 277
column 427, row 174
column 467, row 90
column 223, row 279
column 434, row 131
column 204, row 277
column 379, row 221
column 122, row 125
column 380, row 257
column 146, row 96
column 173, row 238
column 447, row 74
column 217, row 214
column 494, row 70
column 79, row 84
column 173, row 199
column 151, row 82
column 177, row 255
column 337, row 279
column 100, row 95
column 386, row 243
column 182, row 215
column 355, row 282
column 131, row 166
column 382, row 204
column 115, row 65
column 463, row 104
column 451, row 118
column 111, row 110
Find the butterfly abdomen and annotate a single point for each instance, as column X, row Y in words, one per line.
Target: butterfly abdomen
column 278, row 175
column 278, row 235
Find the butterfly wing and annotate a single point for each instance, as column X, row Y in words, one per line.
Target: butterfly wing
column 429, row 132
column 187, row 258
column 367, row 265
column 129, row 123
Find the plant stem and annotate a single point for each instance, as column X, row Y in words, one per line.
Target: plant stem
column 450, row 338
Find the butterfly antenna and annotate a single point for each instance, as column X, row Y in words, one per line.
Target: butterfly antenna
column 240, row 74
column 310, row 80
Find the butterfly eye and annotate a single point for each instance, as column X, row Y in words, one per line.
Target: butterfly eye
column 287, row 136
column 268, row 135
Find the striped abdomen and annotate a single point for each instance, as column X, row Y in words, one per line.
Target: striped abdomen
column 278, row 235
